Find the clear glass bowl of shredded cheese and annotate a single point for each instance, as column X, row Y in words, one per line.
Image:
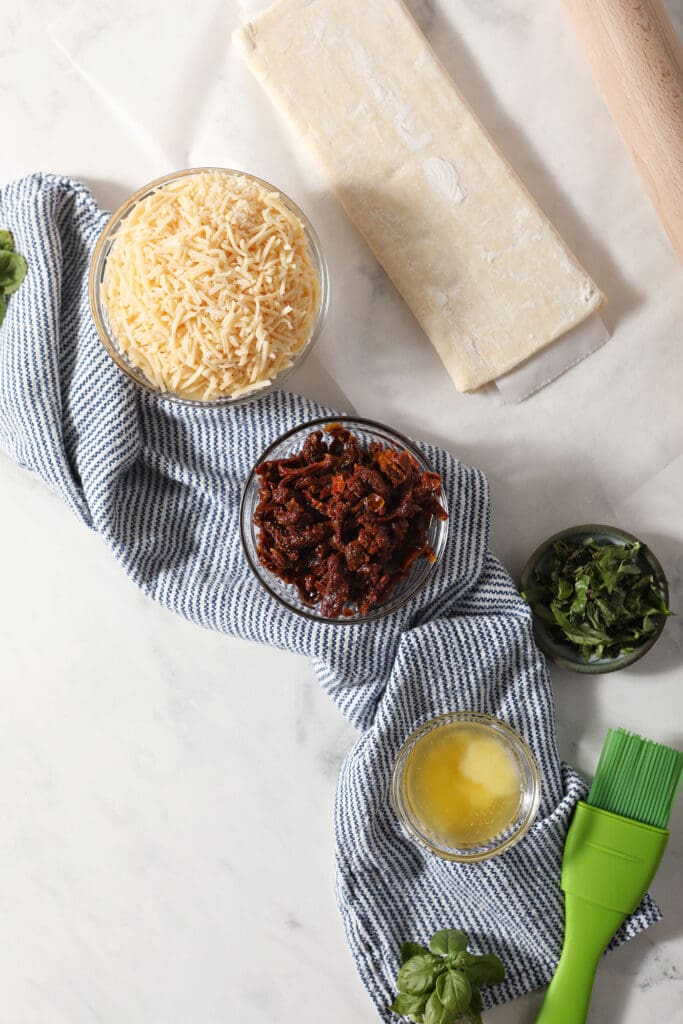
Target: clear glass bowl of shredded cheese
column 208, row 286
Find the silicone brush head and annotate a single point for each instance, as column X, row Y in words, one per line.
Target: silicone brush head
column 636, row 778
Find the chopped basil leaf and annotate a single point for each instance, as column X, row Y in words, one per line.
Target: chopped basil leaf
column 599, row 597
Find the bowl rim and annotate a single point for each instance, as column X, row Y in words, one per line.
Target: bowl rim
column 475, row 853
column 559, row 654
column 106, row 337
column 261, row 573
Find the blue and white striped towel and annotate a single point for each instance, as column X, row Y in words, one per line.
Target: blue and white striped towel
column 162, row 482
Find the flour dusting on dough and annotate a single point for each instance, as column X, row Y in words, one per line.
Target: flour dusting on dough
column 437, row 297
column 444, row 177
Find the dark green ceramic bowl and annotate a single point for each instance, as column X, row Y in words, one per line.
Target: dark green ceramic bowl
column 563, row 654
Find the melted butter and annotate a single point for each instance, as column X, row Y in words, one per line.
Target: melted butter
column 463, row 784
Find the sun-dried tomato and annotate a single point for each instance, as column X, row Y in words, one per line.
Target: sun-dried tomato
column 344, row 523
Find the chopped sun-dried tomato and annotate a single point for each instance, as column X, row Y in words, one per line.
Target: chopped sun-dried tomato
column 343, row 523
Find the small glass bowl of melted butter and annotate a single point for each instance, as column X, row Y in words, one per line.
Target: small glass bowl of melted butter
column 465, row 786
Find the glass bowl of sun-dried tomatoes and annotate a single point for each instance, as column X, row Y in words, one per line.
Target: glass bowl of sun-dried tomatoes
column 343, row 520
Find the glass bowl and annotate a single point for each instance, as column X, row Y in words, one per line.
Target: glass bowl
column 99, row 313
column 530, row 792
column 564, row 655
column 286, row 594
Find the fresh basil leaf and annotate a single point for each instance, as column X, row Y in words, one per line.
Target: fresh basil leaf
column 485, row 970
column 405, row 1004
column 462, row 960
column 437, row 1013
column 6, row 241
column 3, row 309
column 448, row 941
column 476, row 1006
column 12, row 271
column 454, row 990
column 411, row 949
column 417, row 975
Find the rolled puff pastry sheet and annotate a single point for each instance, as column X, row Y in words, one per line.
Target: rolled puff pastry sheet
column 482, row 269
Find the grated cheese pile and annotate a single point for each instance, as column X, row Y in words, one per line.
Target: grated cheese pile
column 209, row 287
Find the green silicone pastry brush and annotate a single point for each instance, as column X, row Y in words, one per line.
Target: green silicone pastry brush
column 614, row 845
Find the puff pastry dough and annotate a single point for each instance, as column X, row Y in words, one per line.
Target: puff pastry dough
column 483, row 270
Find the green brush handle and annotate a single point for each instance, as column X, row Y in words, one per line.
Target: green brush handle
column 609, row 862
column 588, row 931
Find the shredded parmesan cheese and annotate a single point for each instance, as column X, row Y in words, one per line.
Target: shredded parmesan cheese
column 209, row 287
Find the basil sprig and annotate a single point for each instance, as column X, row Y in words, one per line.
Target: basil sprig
column 12, row 269
column 600, row 598
column 440, row 984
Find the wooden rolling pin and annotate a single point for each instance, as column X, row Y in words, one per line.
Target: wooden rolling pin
column 637, row 61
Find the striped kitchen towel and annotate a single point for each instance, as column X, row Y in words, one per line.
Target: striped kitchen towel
column 162, row 483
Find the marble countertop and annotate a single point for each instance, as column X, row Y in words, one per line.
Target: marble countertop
column 166, row 824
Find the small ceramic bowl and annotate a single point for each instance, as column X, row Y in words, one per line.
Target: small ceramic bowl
column 367, row 431
column 566, row 655
column 99, row 312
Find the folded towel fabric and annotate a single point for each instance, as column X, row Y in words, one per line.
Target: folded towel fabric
column 162, row 483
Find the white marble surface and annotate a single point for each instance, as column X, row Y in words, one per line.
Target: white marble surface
column 166, row 794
